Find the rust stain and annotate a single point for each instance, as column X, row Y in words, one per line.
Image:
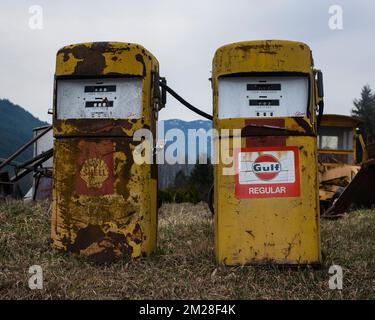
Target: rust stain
column 304, row 125
column 91, row 59
column 93, row 126
column 254, row 133
column 100, row 246
column 250, row 233
column 266, row 47
column 139, row 58
column 102, row 203
column 269, row 244
column 288, row 250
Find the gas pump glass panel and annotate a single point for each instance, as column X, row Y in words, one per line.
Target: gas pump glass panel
column 261, row 97
column 116, row 98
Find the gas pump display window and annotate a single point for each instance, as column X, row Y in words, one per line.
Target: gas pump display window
column 119, row 98
column 257, row 97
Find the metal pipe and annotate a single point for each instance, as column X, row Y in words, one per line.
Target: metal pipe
column 12, row 163
column 29, row 169
column 23, row 148
column 47, row 153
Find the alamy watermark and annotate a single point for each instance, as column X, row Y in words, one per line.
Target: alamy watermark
column 36, row 17
column 177, row 148
column 336, row 280
column 36, row 278
column 336, row 19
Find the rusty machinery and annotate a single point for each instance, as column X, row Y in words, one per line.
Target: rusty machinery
column 346, row 166
column 340, row 152
column 268, row 211
column 35, row 165
column 104, row 204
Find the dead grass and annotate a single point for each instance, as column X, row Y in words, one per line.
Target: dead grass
column 183, row 266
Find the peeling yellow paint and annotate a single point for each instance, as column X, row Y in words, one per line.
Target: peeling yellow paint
column 104, row 205
column 267, row 230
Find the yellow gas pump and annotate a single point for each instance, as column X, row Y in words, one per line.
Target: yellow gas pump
column 267, row 211
column 104, row 204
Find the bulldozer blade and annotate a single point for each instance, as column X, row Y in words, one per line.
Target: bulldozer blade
column 360, row 192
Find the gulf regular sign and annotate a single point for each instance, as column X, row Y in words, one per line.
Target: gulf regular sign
column 267, row 172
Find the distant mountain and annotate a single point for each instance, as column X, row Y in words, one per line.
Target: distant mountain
column 16, row 128
column 17, row 124
column 167, row 172
column 185, row 126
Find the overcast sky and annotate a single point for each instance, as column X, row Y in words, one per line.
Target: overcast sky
column 183, row 35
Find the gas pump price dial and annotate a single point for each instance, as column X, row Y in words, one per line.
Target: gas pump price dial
column 243, row 97
column 99, row 98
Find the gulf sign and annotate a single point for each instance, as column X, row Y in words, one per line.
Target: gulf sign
column 267, row 172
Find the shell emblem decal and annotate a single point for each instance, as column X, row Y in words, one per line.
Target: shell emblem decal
column 94, row 172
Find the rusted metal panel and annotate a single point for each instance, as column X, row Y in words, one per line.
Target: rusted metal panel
column 104, row 204
column 342, row 172
column 337, row 155
column 268, row 226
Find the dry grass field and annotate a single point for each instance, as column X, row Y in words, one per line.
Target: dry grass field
column 183, row 266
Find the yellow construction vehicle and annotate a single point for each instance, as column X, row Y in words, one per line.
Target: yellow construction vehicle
column 345, row 166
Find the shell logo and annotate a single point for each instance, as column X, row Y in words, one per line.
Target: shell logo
column 94, row 172
column 266, row 167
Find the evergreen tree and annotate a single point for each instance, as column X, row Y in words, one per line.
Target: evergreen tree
column 202, row 178
column 180, row 180
column 364, row 108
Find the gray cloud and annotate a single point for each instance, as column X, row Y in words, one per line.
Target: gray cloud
column 184, row 36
